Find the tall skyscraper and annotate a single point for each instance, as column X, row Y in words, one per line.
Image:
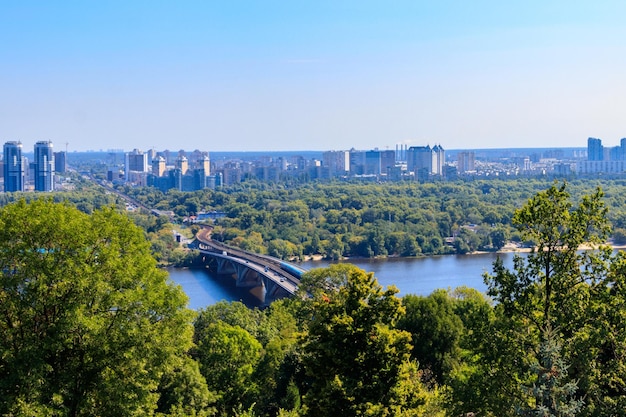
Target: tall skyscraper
column 387, row 161
column 204, row 164
column 466, row 161
column 372, row 163
column 44, row 166
column 135, row 161
column 13, row 167
column 357, row 162
column 338, row 162
column 182, row 164
column 419, row 160
column 60, row 162
column 158, row 166
column 595, row 150
column 425, row 161
column 439, row 159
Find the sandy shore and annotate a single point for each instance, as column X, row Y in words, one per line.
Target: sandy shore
column 508, row 248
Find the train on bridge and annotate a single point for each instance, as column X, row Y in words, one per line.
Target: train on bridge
column 277, row 277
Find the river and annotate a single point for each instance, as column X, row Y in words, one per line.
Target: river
column 419, row 276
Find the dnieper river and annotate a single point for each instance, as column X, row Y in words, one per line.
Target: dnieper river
column 419, row 276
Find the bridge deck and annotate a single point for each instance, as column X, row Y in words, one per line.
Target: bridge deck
column 269, row 267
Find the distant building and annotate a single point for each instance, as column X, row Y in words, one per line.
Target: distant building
column 563, row 169
column 357, row 162
column 158, row 166
column 372, row 163
column 231, row 174
column 135, row 162
column 44, row 166
column 60, row 162
column 337, row 162
column 204, row 164
column 13, row 167
column 439, row 160
column 595, row 150
column 466, row 162
column 595, row 167
column 182, row 164
column 601, row 159
column 183, row 175
column 387, row 162
column 425, row 161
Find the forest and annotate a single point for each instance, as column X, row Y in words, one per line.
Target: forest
column 92, row 327
column 345, row 220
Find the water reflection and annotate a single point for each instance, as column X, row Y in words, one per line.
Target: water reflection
column 204, row 288
column 419, row 276
column 422, row 276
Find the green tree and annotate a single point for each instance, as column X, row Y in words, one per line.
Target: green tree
column 89, row 323
column 228, row 356
column 597, row 354
column 552, row 288
column 552, row 393
column 272, row 329
column 356, row 361
column 555, row 270
column 471, row 385
column 183, row 391
column 436, row 331
column 499, row 237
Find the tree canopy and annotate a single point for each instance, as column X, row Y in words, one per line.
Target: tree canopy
column 89, row 323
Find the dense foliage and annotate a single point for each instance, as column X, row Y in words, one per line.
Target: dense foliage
column 87, row 196
column 366, row 220
column 90, row 327
column 89, row 323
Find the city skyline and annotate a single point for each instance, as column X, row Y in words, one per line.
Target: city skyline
column 277, row 76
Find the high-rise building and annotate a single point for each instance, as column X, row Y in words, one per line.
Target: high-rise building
column 338, row 162
column 60, row 162
column 357, row 162
column 387, row 161
column 135, row 161
column 13, row 167
column 372, row 163
column 44, row 166
column 204, row 164
column 419, row 160
column 595, row 150
column 158, row 166
column 439, row 159
column 466, row 162
column 425, row 161
column 182, row 164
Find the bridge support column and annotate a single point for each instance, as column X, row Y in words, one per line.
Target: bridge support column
column 273, row 291
column 225, row 266
column 247, row 277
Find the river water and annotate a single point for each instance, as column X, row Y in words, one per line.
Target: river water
column 420, row 276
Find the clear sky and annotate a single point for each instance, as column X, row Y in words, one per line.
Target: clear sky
column 228, row 75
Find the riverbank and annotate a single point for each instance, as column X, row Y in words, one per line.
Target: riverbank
column 511, row 247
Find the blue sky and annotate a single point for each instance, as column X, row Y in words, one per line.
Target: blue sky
column 312, row 75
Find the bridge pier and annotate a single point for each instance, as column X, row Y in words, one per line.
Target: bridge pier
column 225, row 266
column 273, row 291
column 247, row 277
column 264, row 285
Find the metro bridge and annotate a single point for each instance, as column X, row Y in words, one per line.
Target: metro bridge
column 274, row 278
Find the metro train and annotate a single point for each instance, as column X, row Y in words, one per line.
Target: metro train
column 292, row 269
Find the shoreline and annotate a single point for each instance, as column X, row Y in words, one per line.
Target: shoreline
column 508, row 248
